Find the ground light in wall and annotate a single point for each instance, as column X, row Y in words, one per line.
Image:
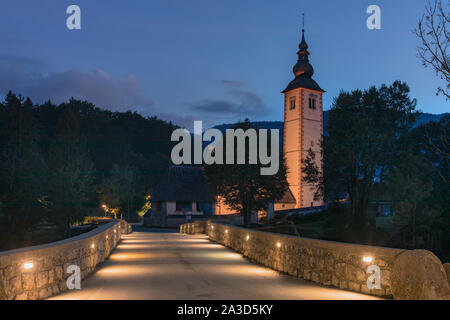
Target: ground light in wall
column 28, row 265
column 247, row 237
column 367, row 259
column 278, row 244
column 226, row 231
column 92, row 246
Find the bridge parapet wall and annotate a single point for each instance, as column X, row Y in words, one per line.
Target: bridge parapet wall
column 193, row 227
column 40, row 271
column 404, row 274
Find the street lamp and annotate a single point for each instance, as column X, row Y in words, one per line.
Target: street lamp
column 105, row 207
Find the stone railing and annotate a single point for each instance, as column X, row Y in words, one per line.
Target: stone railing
column 193, row 227
column 40, row 271
column 447, row 270
column 404, row 274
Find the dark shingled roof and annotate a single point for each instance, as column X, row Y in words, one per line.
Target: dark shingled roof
column 182, row 183
column 288, row 197
column 303, row 82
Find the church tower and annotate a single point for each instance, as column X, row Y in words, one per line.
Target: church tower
column 303, row 126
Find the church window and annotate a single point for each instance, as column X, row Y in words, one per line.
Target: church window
column 183, row 206
column 312, row 103
column 292, row 103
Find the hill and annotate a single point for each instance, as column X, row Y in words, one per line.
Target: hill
column 269, row 125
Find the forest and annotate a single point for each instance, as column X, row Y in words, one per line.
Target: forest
column 60, row 163
column 375, row 155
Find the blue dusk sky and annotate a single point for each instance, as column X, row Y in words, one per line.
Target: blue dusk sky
column 213, row 60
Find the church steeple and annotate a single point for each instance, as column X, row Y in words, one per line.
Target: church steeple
column 303, row 67
column 303, row 70
column 303, row 129
column 303, row 46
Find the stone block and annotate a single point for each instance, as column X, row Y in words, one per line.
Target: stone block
column 315, row 276
column 320, row 264
column 51, row 276
column 340, row 270
column 360, row 275
column 11, row 271
column 42, row 279
column 46, row 263
column 15, row 284
column 21, row 296
column 307, row 274
column 45, row 293
column 419, row 275
column 381, row 263
column 365, row 289
column 447, row 271
column 58, row 273
column 385, row 278
column 334, row 281
column 378, row 292
column 388, row 291
column 55, row 289
column 325, row 278
column 62, row 285
column 354, row 286
column 28, row 281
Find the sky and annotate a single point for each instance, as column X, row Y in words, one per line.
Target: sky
column 219, row 61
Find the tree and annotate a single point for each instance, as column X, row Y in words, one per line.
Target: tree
column 423, row 167
column 312, row 173
column 120, row 189
column 242, row 186
column 433, row 31
column 71, row 173
column 410, row 185
column 359, row 147
column 22, row 171
column 45, row 170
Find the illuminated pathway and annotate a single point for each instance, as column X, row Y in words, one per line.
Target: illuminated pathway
column 164, row 265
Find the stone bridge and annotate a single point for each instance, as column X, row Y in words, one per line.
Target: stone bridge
column 164, row 264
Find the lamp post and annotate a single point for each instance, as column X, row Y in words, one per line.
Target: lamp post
column 105, row 207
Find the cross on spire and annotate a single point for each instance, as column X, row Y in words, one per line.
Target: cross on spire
column 303, row 21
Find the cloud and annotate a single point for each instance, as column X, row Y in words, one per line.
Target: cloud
column 23, row 76
column 232, row 83
column 186, row 122
column 241, row 102
column 31, row 78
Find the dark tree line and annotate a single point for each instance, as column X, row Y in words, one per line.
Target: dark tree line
column 59, row 163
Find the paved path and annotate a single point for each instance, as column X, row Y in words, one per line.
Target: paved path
column 167, row 265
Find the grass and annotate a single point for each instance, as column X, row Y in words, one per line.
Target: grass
column 314, row 229
column 311, row 229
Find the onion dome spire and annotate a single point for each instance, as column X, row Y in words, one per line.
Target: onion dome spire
column 303, row 67
column 303, row 70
